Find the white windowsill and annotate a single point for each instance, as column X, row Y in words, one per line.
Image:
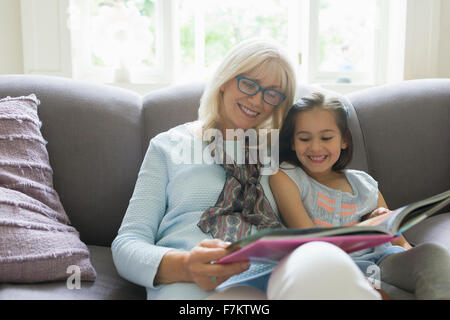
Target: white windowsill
column 344, row 88
column 140, row 88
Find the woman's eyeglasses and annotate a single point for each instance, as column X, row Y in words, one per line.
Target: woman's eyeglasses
column 251, row 88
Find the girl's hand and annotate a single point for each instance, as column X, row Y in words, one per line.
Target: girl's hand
column 401, row 241
column 378, row 212
column 206, row 274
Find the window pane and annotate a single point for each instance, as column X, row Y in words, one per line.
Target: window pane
column 225, row 23
column 123, row 33
column 346, row 36
column 186, row 20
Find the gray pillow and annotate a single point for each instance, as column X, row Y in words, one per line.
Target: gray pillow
column 37, row 242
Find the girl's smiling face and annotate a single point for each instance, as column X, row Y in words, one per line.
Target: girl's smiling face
column 317, row 141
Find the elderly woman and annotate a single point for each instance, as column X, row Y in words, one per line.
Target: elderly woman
column 178, row 218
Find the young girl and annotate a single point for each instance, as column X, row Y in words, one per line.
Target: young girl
column 313, row 189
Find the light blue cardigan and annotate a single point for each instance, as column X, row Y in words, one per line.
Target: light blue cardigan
column 166, row 205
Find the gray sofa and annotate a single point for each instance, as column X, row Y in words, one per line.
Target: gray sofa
column 97, row 137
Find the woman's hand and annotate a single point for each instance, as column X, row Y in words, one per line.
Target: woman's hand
column 206, row 274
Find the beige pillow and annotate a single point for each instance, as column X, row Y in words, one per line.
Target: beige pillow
column 37, row 242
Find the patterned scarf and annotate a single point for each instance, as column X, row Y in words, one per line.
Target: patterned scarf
column 241, row 204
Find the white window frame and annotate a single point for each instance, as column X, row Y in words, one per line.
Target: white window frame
column 162, row 74
column 310, row 10
column 294, row 34
column 50, row 48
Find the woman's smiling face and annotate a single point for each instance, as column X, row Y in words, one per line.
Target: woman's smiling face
column 241, row 111
column 317, row 141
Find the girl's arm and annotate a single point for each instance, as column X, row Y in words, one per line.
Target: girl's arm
column 289, row 202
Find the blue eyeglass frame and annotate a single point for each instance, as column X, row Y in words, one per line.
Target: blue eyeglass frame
column 263, row 90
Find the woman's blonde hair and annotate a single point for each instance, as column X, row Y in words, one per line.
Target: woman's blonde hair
column 258, row 55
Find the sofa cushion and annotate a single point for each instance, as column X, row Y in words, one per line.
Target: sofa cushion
column 23, row 155
column 95, row 137
column 108, row 285
column 36, row 241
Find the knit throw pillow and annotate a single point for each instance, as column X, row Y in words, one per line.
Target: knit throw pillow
column 37, row 242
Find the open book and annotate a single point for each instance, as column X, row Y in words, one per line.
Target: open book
column 274, row 244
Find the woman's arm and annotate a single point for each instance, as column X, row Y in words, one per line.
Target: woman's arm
column 135, row 254
column 289, row 202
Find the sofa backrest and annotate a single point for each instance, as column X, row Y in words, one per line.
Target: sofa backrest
column 94, row 144
column 98, row 135
column 407, row 136
column 166, row 108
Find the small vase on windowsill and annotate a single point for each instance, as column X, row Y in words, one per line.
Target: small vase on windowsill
column 122, row 74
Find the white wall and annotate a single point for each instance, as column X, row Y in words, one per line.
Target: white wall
column 11, row 53
column 444, row 43
column 420, row 62
column 422, row 39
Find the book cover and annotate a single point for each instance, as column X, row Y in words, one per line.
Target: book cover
column 274, row 244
